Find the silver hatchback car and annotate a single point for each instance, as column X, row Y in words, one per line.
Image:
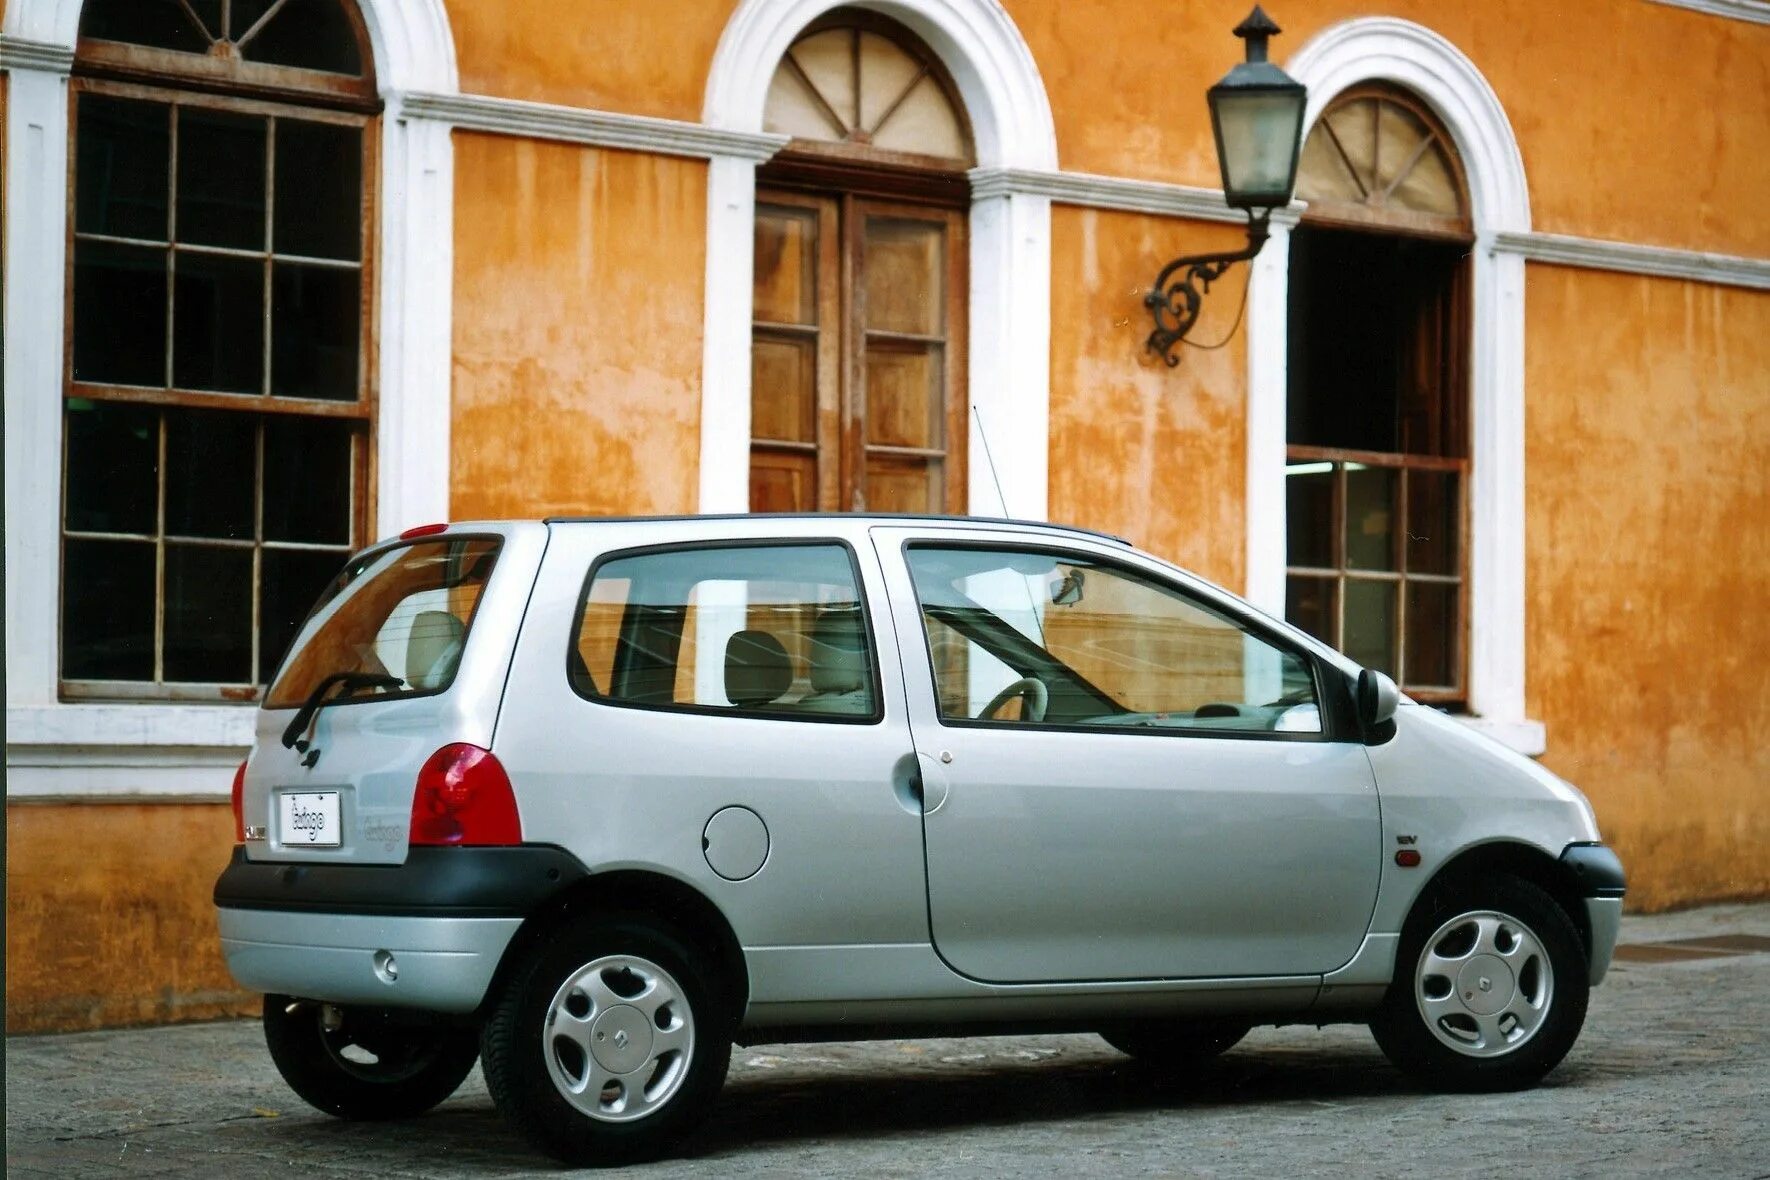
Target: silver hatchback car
column 590, row 800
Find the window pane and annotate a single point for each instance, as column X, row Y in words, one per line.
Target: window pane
column 1434, row 521
column 208, row 615
column 786, row 265
column 316, row 317
column 782, row 481
column 311, row 34
column 121, row 167
column 1370, row 517
column 119, row 314
column 1431, row 635
column 905, row 264
column 775, row 629
column 1370, row 624
column 113, row 461
column 157, row 23
column 211, row 469
column 292, row 581
column 783, row 380
column 1309, row 515
column 905, row 485
column 1077, row 643
column 221, row 178
column 107, row 610
column 906, row 402
column 307, row 480
column 319, row 190
column 1312, row 604
column 218, row 323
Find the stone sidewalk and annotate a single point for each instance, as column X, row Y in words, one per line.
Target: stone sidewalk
column 1671, row 1077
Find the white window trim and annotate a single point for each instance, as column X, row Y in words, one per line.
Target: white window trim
column 1415, row 57
column 97, row 750
column 1010, row 283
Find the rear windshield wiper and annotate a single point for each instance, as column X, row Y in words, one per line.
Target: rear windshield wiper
column 317, row 700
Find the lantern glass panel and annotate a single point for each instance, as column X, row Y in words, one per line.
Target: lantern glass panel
column 1257, row 134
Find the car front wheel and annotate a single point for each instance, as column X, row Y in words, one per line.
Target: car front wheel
column 364, row 1064
column 1490, row 987
column 608, row 1044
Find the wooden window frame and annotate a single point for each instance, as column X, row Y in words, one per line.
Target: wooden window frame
column 320, row 107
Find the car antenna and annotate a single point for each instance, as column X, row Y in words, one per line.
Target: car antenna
column 1032, row 606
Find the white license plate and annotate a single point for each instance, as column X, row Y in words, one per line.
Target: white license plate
column 309, row 819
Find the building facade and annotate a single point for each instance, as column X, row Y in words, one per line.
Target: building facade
column 1488, row 410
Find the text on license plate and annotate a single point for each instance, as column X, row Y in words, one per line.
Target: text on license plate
column 309, row 818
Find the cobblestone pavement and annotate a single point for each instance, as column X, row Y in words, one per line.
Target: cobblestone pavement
column 1672, row 1076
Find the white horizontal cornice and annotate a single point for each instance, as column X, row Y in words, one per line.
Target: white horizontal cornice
column 1728, row 270
column 1114, row 192
column 1755, row 11
column 540, row 120
column 17, row 53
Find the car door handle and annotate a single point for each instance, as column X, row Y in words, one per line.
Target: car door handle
column 935, row 783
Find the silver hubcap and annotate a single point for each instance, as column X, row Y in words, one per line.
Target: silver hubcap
column 1484, row 983
column 619, row 1038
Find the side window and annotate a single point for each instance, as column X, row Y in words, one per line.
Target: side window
column 778, row 630
column 1023, row 636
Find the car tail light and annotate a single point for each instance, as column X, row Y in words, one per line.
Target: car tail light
column 239, row 794
column 464, row 797
column 423, row 530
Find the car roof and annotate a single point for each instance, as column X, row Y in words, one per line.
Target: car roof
column 910, row 520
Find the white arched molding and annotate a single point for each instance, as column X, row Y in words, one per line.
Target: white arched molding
column 145, row 749
column 1010, row 289
column 1412, row 56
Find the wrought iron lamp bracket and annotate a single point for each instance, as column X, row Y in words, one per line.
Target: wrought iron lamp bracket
column 1174, row 302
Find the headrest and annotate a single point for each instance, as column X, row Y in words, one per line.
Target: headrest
column 838, row 652
column 433, row 648
column 757, row 668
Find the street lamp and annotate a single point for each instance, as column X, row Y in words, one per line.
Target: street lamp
column 1257, row 118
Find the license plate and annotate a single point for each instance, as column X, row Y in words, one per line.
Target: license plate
column 309, row 819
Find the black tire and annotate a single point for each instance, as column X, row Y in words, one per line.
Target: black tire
column 370, row 1067
column 521, row 1050
column 1460, row 1056
column 1172, row 1045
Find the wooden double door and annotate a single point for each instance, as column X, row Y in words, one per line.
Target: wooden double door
column 858, row 355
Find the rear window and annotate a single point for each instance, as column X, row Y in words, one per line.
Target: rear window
column 402, row 612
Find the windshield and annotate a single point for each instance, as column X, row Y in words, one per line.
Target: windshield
column 401, row 615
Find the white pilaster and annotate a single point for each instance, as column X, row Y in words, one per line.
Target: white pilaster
column 1268, row 374
column 1010, row 344
column 725, row 343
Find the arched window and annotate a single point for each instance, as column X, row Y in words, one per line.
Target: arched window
column 218, row 408
column 1377, row 438
column 858, row 343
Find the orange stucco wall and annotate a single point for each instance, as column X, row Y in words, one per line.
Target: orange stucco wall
column 578, row 290
column 108, row 917
column 1649, row 549
column 1158, row 455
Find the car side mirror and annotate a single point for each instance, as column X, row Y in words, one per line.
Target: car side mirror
column 1378, row 698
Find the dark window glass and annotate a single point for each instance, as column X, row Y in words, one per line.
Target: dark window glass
column 1370, row 624
column 1311, row 604
column 316, row 317
column 1309, row 514
column 1434, row 522
column 208, row 599
column 119, row 314
column 113, row 464
column 319, row 190
column 221, row 158
column 307, row 481
column 211, row 458
column 293, row 580
column 1431, row 633
column 107, row 610
column 218, row 323
column 121, row 161
column 160, row 24
column 310, row 34
column 1370, row 517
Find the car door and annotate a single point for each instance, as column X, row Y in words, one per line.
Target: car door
column 1182, row 808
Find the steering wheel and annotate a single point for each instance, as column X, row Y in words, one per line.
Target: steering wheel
column 1036, row 695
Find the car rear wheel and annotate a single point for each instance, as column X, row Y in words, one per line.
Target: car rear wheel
column 363, row 1064
column 607, row 1044
column 1175, row 1044
column 1490, row 987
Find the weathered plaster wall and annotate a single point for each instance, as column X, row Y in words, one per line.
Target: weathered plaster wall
column 578, row 292
column 1158, row 455
column 108, row 917
column 1649, row 552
